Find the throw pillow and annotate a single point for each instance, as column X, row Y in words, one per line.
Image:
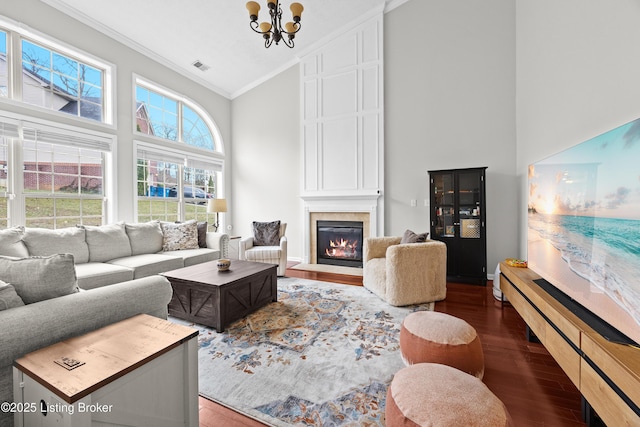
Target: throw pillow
column 11, row 242
column 40, row 278
column 266, row 233
column 107, row 242
column 202, row 234
column 69, row 240
column 179, row 236
column 8, row 297
column 411, row 237
column 145, row 237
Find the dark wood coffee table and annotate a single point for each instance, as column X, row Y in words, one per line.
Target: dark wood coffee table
column 204, row 295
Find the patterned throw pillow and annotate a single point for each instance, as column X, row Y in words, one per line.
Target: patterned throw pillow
column 266, row 233
column 411, row 237
column 8, row 297
column 181, row 236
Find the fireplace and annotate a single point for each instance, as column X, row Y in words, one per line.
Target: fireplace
column 339, row 243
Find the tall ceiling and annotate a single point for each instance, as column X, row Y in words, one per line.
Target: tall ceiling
column 216, row 33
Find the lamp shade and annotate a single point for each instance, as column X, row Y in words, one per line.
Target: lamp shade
column 253, row 9
column 216, row 205
column 296, row 10
column 290, row 27
column 265, row 27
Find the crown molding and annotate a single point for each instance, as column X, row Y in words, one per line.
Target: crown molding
column 109, row 32
column 392, row 4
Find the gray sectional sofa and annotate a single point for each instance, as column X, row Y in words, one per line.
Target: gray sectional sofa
column 114, row 253
column 114, row 274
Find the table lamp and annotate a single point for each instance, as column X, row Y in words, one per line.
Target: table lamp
column 215, row 206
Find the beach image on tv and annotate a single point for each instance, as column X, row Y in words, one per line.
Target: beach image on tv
column 584, row 224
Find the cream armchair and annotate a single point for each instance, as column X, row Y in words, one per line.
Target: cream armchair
column 405, row 274
column 267, row 254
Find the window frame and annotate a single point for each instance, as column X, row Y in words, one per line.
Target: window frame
column 218, row 144
column 77, row 137
column 16, row 33
column 183, row 160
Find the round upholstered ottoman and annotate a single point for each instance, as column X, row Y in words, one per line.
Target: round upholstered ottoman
column 433, row 337
column 431, row 394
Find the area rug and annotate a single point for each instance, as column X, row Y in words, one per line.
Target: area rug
column 323, row 355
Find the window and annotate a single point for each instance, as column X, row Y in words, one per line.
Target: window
column 52, row 177
column 61, row 83
column 53, row 76
column 6, row 130
column 4, row 76
column 171, row 117
column 174, row 186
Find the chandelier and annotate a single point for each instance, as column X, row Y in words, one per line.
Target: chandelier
column 274, row 32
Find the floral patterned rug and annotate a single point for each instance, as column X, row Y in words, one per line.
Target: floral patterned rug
column 323, row 355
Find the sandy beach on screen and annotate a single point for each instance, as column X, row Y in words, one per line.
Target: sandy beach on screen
column 550, row 265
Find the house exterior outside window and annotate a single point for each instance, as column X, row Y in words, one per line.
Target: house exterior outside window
column 53, row 76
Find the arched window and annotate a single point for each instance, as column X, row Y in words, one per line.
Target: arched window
column 170, row 116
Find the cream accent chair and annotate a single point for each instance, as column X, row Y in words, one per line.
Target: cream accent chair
column 405, row 274
column 267, row 254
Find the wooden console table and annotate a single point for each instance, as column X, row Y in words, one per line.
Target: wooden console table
column 140, row 371
column 606, row 374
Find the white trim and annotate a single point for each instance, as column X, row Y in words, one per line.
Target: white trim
column 109, row 69
column 109, row 167
column 265, row 78
column 211, row 123
column 109, row 32
column 392, row 4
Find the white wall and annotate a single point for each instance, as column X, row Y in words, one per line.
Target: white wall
column 266, row 159
column 49, row 21
column 450, row 103
column 577, row 68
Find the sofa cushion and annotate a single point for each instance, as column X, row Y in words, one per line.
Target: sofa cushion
column 145, row 237
column 69, row 240
column 107, row 242
column 411, row 237
column 40, row 278
column 148, row 264
column 8, row 297
column 178, row 236
column 195, row 256
column 11, row 242
column 93, row 275
column 266, row 233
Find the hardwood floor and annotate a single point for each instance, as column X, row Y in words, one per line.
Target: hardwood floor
column 522, row 374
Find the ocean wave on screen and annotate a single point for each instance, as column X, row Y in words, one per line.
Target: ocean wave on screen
column 608, row 256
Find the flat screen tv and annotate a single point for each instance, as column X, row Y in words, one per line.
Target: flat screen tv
column 584, row 228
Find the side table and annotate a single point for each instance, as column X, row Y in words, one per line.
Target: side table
column 137, row 372
column 234, row 247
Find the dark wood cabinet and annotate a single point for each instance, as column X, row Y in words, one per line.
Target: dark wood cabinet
column 458, row 219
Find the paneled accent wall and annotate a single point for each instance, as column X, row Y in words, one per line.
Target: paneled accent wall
column 343, row 114
column 342, row 129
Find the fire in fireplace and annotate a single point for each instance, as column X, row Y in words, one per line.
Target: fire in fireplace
column 339, row 243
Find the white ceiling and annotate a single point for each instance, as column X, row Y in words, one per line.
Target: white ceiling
column 217, row 33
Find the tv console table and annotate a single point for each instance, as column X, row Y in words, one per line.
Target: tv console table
column 606, row 374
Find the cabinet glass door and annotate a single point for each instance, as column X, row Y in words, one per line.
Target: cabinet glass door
column 444, row 207
column 469, row 205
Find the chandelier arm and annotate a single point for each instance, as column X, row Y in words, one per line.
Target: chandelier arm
column 255, row 27
column 288, row 42
column 293, row 32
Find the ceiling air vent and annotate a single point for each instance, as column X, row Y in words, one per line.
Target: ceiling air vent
column 200, row 66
